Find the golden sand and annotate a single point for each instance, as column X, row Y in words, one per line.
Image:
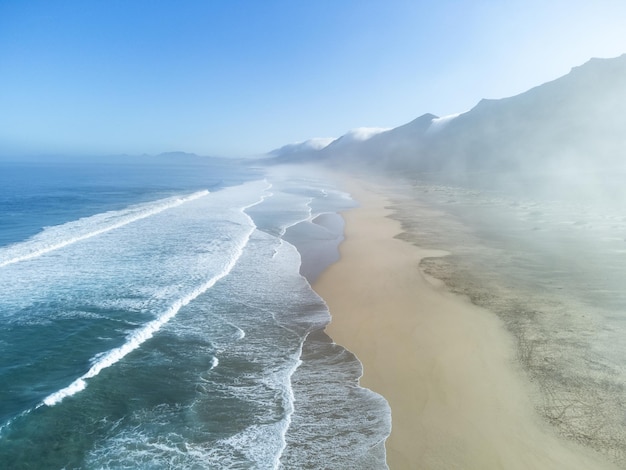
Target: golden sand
column 446, row 367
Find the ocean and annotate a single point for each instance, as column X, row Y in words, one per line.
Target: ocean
column 156, row 313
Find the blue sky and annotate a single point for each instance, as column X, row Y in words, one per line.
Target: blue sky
column 233, row 77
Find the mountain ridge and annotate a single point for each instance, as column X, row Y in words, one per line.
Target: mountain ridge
column 577, row 119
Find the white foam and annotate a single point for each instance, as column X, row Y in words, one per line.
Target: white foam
column 138, row 448
column 289, row 396
column 146, row 332
column 307, row 218
column 54, row 238
column 241, row 334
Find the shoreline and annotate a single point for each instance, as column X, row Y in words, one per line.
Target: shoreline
column 446, row 367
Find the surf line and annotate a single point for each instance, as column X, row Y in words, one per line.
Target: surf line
column 143, row 334
column 131, row 216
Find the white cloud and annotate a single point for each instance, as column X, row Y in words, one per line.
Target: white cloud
column 439, row 123
column 363, row 133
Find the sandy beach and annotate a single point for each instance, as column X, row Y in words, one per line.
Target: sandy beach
column 446, row 367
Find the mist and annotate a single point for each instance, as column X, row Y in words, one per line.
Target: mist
column 527, row 195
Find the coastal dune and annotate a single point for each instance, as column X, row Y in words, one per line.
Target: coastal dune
column 447, row 367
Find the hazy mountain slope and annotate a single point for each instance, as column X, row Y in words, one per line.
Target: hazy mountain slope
column 577, row 119
column 576, row 122
column 386, row 148
column 301, row 150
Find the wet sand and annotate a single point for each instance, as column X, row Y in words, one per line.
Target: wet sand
column 447, row 368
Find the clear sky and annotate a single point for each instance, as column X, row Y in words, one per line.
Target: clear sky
column 230, row 77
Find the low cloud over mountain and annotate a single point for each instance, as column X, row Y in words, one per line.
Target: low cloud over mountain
column 573, row 125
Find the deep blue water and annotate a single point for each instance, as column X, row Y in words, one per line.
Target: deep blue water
column 154, row 316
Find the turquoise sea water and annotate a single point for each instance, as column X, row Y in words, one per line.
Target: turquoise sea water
column 154, row 316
